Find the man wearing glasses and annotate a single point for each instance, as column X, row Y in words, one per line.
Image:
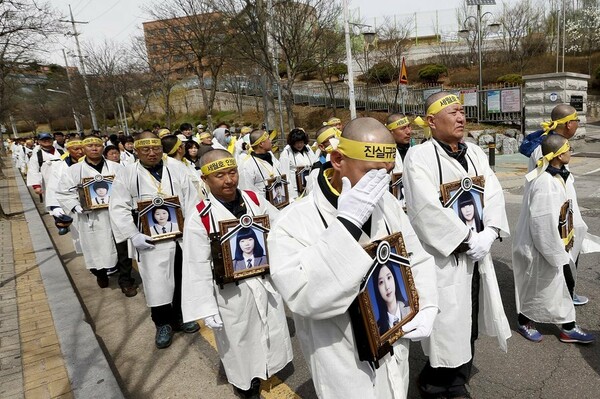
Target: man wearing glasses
column 153, row 178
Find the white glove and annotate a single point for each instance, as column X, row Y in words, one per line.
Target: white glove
column 481, row 243
column 140, row 243
column 357, row 203
column 421, row 325
column 56, row 212
column 213, row 322
column 78, row 209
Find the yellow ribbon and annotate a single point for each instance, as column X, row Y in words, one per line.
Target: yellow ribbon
column 73, row 143
column 543, row 162
column 548, row 126
column 245, row 129
column 332, row 122
column 147, row 143
column 569, row 237
column 399, row 123
column 374, row 152
column 423, row 125
column 327, row 134
column 175, row 147
column 92, row 140
column 218, row 165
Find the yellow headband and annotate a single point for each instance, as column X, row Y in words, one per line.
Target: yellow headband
column 442, row 103
column 332, row 121
column 73, row 143
column 245, row 129
column 92, row 140
column 331, row 132
column 262, row 138
column 147, row 143
column 547, row 126
column 163, row 132
column 175, row 147
column 422, row 124
column 205, row 135
column 399, row 123
column 376, row 152
column 543, row 162
column 218, row 165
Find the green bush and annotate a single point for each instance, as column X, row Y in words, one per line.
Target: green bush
column 337, row 69
column 513, row 78
column 382, row 72
column 431, row 73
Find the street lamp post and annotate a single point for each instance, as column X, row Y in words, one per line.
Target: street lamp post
column 369, row 39
column 351, row 98
column 464, row 33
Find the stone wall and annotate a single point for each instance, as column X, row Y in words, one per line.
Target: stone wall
column 543, row 92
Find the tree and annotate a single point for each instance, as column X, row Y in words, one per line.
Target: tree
column 583, row 32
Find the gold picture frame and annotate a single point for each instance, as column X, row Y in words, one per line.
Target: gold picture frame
column 94, row 192
column 241, row 240
column 565, row 224
column 161, row 218
column 302, row 173
column 277, row 191
column 376, row 332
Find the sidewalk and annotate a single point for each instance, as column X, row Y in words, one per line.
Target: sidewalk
column 42, row 324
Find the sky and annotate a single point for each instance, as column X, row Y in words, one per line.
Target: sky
column 120, row 20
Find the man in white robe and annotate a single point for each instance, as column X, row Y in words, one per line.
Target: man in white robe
column 40, row 163
column 541, row 262
column 159, row 263
column 465, row 271
column 399, row 126
column 248, row 318
column 260, row 165
column 318, row 264
column 94, row 227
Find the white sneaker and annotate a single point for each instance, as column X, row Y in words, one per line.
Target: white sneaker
column 579, row 300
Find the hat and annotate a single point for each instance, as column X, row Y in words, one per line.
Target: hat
column 45, row 135
column 200, row 126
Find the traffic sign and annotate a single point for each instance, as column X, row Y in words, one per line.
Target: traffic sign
column 403, row 79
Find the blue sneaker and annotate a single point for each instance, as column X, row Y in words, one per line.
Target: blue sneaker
column 579, row 300
column 530, row 332
column 576, row 335
column 164, row 336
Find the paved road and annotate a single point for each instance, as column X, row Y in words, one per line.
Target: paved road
column 190, row 367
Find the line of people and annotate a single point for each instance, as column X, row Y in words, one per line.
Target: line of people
column 447, row 204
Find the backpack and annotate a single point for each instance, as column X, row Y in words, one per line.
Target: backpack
column 531, row 142
column 40, row 156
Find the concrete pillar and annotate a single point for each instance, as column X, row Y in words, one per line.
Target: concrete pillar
column 545, row 91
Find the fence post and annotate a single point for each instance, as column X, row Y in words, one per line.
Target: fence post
column 492, row 155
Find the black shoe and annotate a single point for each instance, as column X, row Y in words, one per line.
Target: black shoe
column 164, row 336
column 111, row 271
column 253, row 392
column 102, row 281
column 129, row 290
column 189, row 328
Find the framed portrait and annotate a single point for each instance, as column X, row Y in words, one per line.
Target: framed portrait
column 161, row 218
column 94, row 192
column 465, row 197
column 277, row 191
column 565, row 224
column 243, row 245
column 396, row 186
column 302, row 173
column 387, row 300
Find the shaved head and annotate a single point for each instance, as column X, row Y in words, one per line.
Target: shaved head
column 255, row 135
column 434, row 97
column 394, row 118
column 214, row 155
column 369, row 130
column 146, row 135
column 561, row 110
column 552, row 143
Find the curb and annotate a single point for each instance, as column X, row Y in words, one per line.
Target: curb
column 89, row 372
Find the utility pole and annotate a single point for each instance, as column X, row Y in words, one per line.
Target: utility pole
column 78, row 125
column 82, row 67
column 350, row 74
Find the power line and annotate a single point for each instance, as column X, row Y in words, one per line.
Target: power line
column 105, row 12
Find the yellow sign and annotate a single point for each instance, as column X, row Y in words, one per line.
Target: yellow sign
column 403, row 79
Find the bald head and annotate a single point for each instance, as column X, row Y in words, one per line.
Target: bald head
column 434, row 97
column 393, row 118
column 146, row 135
column 214, row 155
column 561, row 110
column 368, row 130
column 552, row 143
column 255, row 135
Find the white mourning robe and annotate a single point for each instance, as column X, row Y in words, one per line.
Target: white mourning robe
column 37, row 175
column 254, row 340
column 318, row 271
column 289, row 160
column 126, row 157
column 399, row 168
column 254, row 173
column 58, row 170
column 134, row 183
column 94, row 228
column 539, row 253
column 441, row 231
